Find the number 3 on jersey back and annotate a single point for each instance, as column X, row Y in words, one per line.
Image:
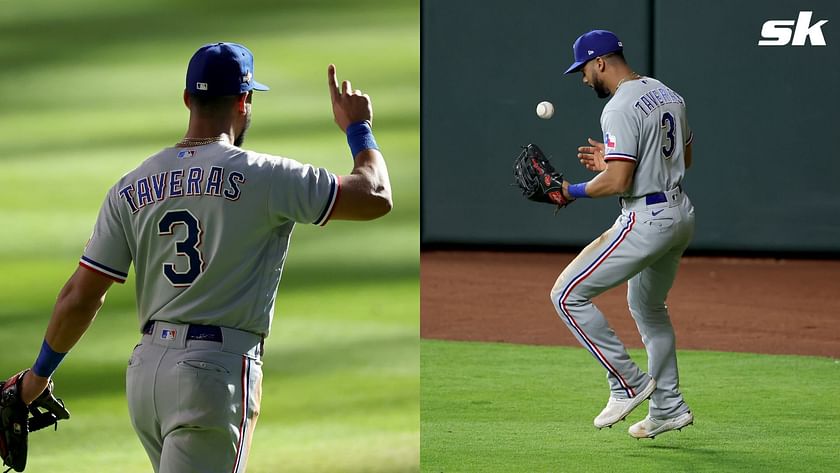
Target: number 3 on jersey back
column 187, row 247
column 669, row 140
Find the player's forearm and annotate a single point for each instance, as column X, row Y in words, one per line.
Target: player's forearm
column 73, row 313
column 607, row 184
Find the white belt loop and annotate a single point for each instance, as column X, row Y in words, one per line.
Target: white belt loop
column 241, row 342
column 169, row 335
column 633, row 203
column 673, row 196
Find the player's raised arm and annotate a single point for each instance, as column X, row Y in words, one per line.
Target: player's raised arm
column 365, row 193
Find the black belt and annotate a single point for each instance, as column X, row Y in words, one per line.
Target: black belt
column 655, row 198
column 209, row 333
column 658, row 197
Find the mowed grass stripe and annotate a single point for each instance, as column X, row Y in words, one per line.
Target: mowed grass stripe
column 497, row 408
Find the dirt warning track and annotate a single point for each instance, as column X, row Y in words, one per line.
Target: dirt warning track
column 726, row 304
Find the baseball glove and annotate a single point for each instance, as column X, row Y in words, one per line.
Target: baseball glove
column 17, row 419
column 537, row 178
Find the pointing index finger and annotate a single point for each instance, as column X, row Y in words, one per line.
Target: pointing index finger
column 332, row 82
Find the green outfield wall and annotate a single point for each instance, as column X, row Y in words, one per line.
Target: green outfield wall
column 766, row 167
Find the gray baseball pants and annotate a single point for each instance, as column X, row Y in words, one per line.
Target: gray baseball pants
column 194, row 403
column 644, row 248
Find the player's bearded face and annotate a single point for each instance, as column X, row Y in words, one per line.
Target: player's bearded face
column 600, row 89
column 590, row 78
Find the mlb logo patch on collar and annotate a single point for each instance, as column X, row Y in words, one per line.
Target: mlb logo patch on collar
column 186, row 153
column 167, row 334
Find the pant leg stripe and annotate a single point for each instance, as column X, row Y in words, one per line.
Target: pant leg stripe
column 577, row 280
column 243, row 427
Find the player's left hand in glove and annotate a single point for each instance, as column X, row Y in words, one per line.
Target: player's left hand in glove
column 537, row 178
column 17, row 419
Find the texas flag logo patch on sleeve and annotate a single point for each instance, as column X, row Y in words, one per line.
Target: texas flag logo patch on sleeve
column 609, row 142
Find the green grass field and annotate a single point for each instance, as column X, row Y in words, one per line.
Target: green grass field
column 510, row 408
column 92, row 87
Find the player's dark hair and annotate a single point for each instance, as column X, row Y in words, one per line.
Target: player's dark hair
column 215, row 105
column 616, row 54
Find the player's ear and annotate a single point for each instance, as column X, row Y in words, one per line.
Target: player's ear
column 186, row 98
column 600, row 63
column 241, row 102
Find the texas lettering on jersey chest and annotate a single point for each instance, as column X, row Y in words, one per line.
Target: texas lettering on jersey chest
column 190, row 182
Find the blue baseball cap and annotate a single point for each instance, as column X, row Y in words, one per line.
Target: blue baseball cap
column 590, row 45
column 222, row 69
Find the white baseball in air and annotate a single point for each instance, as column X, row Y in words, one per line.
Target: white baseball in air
column 545, row 110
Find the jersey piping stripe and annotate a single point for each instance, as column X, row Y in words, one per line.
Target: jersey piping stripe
column 577, row 280
column 690, row 138
column 325, row 215
column 97, row 271
column 620, row 158
column 335, row 201
column 243, row 426
column 112, row 273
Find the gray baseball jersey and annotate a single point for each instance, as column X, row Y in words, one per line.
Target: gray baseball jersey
column 645, row 122
column 207, row 228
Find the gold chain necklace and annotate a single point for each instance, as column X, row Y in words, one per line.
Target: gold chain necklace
column 189, row 142
column 632, row 76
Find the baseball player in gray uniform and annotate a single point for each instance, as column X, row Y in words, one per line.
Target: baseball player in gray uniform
column 207, row 226
column 646, row 150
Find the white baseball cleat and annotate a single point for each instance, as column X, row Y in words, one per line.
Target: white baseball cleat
column 650, row 427
column 617, row 409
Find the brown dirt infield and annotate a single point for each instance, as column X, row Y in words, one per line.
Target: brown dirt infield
column 726, row 304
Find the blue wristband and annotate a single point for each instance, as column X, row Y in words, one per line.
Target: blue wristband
column 578, row 190
column 360, row 137
column 48, row 361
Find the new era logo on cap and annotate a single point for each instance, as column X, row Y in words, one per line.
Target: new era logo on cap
column 201, row 85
